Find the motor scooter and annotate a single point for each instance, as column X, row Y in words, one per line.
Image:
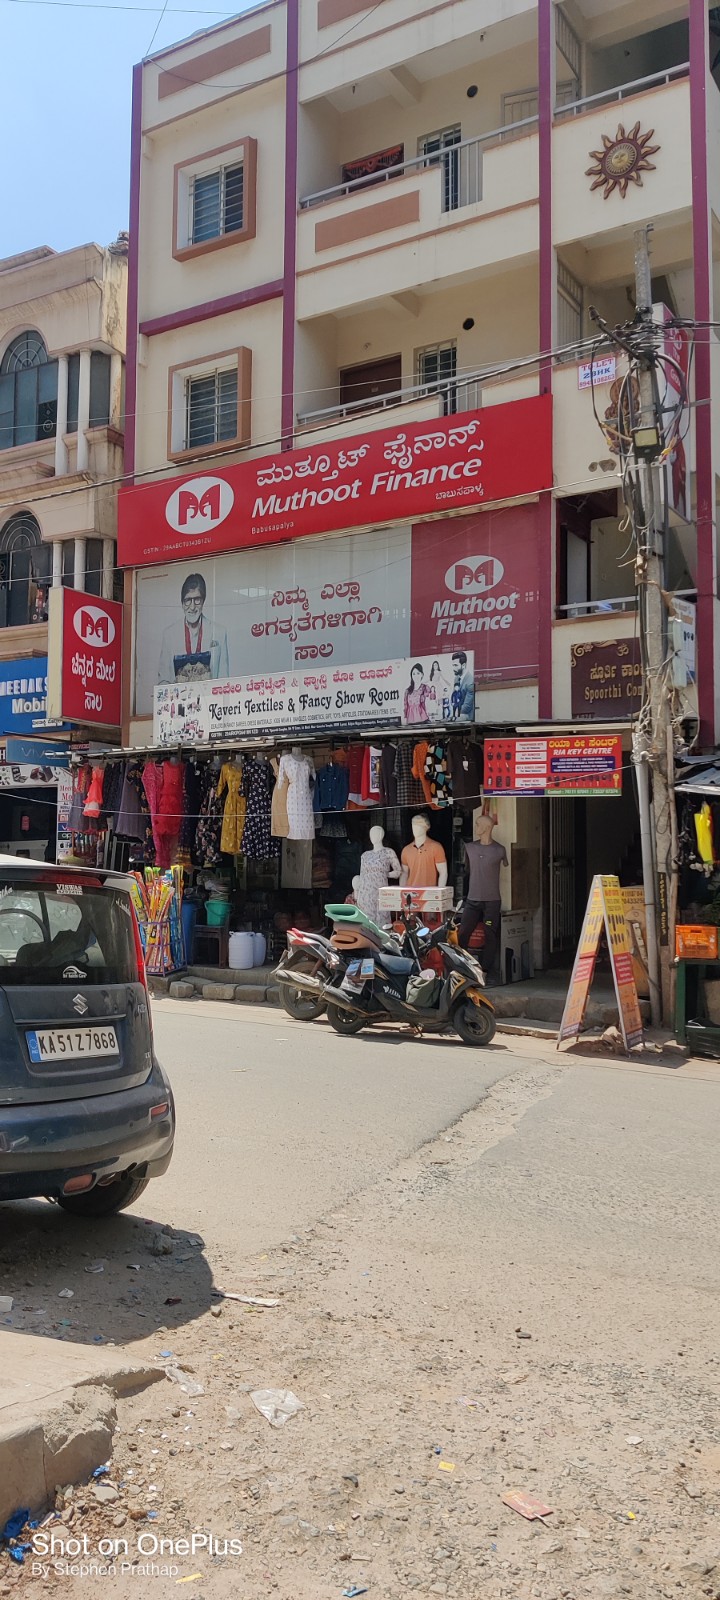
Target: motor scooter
column 312, row 960
column 377, row 984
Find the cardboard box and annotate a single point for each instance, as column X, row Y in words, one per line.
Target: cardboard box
column 407, row 899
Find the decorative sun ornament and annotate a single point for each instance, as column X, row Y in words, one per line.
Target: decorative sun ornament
column 622, row 160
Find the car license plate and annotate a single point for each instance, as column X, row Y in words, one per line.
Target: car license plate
column 70, row 1044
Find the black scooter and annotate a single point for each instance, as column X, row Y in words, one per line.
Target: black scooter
column 374, row 988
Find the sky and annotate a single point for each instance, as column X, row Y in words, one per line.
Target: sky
column 65, row 113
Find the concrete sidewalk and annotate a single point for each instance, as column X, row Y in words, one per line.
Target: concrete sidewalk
column 57, row 1414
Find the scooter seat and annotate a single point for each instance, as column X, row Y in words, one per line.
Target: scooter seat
column 399, row 966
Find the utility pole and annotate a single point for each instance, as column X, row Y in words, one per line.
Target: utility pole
column 652, row 738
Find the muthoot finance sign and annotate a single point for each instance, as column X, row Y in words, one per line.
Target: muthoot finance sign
column 475, row 588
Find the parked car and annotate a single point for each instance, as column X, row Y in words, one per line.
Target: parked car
column 87, row 1116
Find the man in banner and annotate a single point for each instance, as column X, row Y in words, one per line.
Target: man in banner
column 193, row 646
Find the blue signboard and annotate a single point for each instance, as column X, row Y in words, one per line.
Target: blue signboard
column 36, row 753
column 23, row 695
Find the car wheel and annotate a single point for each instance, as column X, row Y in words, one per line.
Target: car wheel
column 474, row 1024
column 105, row 1199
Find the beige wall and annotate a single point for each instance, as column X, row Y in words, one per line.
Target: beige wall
column 258, row 328
column 580, row 214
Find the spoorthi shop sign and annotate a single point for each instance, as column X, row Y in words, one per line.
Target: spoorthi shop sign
column 397, row 474
column 418, row 692
column 84, row 658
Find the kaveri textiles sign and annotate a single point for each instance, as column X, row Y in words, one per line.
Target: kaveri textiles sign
column 85, row 658
column 396, row 474
column 416, row 693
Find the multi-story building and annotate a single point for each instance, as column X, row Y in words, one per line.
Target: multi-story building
column 355, row 227
column 62, row 350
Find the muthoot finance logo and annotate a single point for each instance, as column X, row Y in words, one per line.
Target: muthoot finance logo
column 94, row 626
column 200, row 505
column 479, row 608
column 474, row 575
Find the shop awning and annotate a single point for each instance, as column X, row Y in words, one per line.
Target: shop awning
column 705, row 780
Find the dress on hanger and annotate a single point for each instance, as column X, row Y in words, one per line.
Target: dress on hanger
column 76, row 819
column 130, row 820
column 279, row 825
column 93, row 803
column 209, row 828
column 231, row 779
column 376, row 867
column 299, row 772
column 409, row 790
column 258, row 843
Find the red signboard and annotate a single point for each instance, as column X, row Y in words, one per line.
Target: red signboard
column 405, row 473
column 588, row 765
column 85, row 658
column 475, row 587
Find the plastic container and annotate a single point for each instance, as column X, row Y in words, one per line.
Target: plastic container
column 217, row 913
column 189, row 918
column 259, row 949
column 241, row 950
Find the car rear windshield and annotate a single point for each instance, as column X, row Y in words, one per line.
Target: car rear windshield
column 55, row 933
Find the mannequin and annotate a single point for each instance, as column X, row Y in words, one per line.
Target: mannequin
column 424, row 863
column 484, row 857
column 297, row 772
column 377, row 865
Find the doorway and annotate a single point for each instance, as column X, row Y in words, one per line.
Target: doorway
column 370, row 380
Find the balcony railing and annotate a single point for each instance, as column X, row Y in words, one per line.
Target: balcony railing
column 454, row 394
column 623, row 91
column 618, row 603
column 461, row 165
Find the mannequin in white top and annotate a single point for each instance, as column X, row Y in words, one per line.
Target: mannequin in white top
column 377, row 866
column 424, row 863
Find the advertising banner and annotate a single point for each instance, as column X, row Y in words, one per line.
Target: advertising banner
column 413, row 693
column 24, row 776
column 399, row 474
column 605, row 910
column 331, row 601
column 606, row 680
column 589, row 764
column 23, row 695
column 85, row 658
column 475, row 586
column 64, row 839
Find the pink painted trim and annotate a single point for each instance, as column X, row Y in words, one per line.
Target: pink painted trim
column 132, row 300
column 547, row 519
column 290, row 240
column 704, row 473
column 213, row 308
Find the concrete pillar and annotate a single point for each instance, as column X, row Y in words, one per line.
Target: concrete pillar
column 108, row 563
column 79, row 572
column 61, row 453
column 57, row 564
column 116, row 390
column 83, row 448
column 547, row 320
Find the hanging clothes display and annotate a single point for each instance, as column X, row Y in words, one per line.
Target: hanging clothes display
column 299, row 772
column 192, row 800
column 112, row 789
column 231, row 780
column 420, row 751
column 356, row 756
column 437, row 773
column 93, row 803
column 465, row 765
column 209, row 828
column 152, row 784
column 257, row 842
column 81, row 786
column 409, row 789
column 279, row 824
column 370, row 783
column 376, row 868
column 131, row 816
column 332, row 785
column 388, row 781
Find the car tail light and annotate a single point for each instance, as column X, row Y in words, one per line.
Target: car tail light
column 161, row 1110
column 76, row 1185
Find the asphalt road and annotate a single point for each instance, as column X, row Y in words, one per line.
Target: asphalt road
column 279, row 1121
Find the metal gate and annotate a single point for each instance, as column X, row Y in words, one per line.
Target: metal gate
column 562, row 873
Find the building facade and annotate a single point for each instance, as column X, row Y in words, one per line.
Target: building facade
column 358, row 235
column 62, row 351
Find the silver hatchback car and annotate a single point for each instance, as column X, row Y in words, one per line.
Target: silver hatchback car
column 86, row 1112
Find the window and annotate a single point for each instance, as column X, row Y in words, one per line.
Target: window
column 41, row 929
column 210, row 409
column 436, row 368
column 217, row 203
column 94, row 566
column 214, row 199
column 209, row 405
column 569, row 312
column 441, row 148
column 28, row 392
column 24, row 572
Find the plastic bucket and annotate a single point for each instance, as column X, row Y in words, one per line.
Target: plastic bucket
column 241, row 950
column 217, row 913
column 259, row 949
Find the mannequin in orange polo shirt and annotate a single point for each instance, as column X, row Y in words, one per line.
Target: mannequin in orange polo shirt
column 424, row 863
